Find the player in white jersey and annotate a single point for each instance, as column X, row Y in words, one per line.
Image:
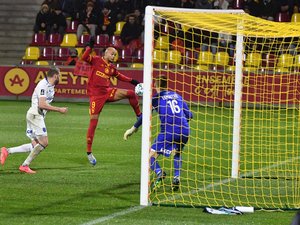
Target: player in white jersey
column 36, row 129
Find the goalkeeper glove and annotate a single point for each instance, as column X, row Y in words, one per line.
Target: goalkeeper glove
column 129, row 132
column 134, row 82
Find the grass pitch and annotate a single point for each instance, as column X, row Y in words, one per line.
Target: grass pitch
column 68, row 190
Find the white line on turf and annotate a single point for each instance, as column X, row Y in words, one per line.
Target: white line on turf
column 137, row 208
column 114, row 215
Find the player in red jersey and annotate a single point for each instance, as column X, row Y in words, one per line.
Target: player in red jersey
column 100, row 92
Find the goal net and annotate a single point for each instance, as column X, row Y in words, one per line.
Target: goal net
column 240, row 77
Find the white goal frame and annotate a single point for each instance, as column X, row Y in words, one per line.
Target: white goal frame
column 147, row 96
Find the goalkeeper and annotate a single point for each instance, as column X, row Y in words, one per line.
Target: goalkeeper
column 99, row 91
column 174, row 133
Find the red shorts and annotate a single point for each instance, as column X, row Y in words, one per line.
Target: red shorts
column 97, row 102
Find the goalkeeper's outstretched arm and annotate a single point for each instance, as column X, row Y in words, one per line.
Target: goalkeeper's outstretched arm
column 134, row 128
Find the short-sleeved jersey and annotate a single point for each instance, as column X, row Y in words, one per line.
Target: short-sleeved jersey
column 42, row 89
column 173, row 112
column 99, row 80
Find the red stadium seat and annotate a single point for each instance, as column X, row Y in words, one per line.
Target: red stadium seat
column 62, row 54
column 54, row 40
column 102, row 41
column 138, row 55
column 38, row 39
column 72, row 28
column 115, row 41
column 84, row 38
column 125, row 55
column 282, row 17
column 47, row 53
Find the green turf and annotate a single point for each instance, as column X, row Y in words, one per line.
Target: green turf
column 67, row 190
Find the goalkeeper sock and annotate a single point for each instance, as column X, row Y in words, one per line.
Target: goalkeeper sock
column 177, row 164
column 134, row 102
column 35, row 151
column 20, row 149
column 155, row 166
column 90, row 134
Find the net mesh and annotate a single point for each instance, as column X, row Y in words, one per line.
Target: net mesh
column 197, row 51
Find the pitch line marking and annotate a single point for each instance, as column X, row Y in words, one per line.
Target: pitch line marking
column 138, row 208
column 114, row 215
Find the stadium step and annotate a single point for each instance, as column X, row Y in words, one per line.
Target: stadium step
column 16, row 32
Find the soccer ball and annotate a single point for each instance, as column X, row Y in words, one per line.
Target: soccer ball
column 139, row 89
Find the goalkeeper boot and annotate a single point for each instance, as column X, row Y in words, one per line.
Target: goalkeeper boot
column 92, row 159
column 158, row 182
column 3, row 155
column 175, row 184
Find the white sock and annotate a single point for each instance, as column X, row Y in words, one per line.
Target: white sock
column 35, row 151
column 19, row 149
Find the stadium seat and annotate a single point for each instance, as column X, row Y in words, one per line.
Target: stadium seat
column 115, row 41
column 119, row 27
column 38, row 39
column 125, row 55
column 189, row 57
column 285, row 61
column 238, row 4
column 102, row 41
column 174, row 57
column 205, row 58
column 42, row 63
column 72, row 27
column 32, row 53
column 297, row 62
column 253, row 59
column 84, row 38
column 282, row 17
column 268, row 61
column 54, row 40
column 69, row 40
column 159, row 56
column 62, row 54
column 137, row 65
column 221, row 59
column 162, row 42
column 295, row 18
column 47, row 53
column 138, row 55
column 178, row 44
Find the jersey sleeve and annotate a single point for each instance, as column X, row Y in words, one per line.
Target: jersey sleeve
column 122, row 77
column 187, row 112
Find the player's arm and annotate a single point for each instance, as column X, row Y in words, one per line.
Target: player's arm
column 124, row 78
column 86, row 55
column 44, row 105
column 134, row 128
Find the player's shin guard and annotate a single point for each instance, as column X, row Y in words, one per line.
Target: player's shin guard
column 155, row 166
column 33, row 154
column 90, row 134
column 134, row 102
column 177, row 164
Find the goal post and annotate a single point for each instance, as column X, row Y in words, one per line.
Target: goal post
column 239, row 76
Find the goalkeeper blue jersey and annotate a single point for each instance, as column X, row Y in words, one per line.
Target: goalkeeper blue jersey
column 173, row 112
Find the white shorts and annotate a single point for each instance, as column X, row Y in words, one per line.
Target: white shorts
column 35, row 126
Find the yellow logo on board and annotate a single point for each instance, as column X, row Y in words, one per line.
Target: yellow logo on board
column 16, row 81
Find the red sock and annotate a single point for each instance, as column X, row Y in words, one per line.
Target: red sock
column 134, row 102
column 90, row 134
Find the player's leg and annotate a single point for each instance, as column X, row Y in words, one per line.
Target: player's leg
column 41, row 144
column 119, row 94
column 96, row 105
column 177, row 161
column 18, row 149
column 179, row 144
column 36, row 131
column 154, row 166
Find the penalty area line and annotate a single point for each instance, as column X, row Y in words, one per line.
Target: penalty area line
column 114, row 215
